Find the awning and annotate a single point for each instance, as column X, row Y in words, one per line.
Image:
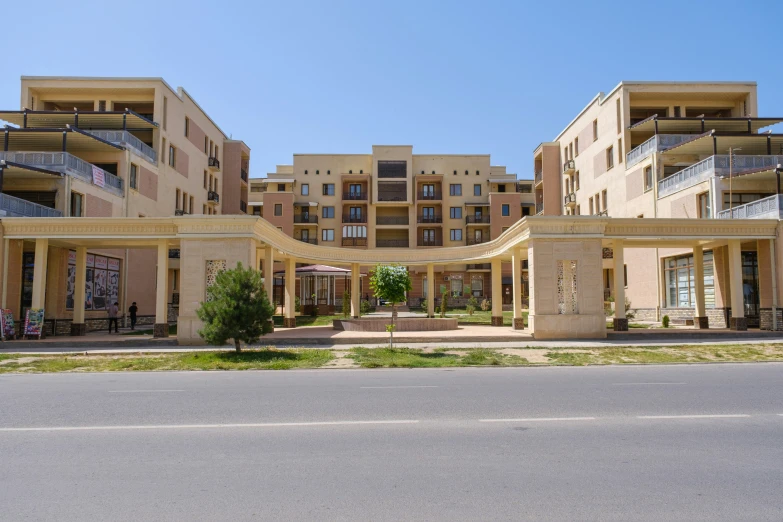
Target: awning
column 306, row 204
column 255, row 204
column 321, row 270
column 13, row 170
column 668, row 125
column 89, row 120
column 708, row 144
column 52, row 140
column 479, row 204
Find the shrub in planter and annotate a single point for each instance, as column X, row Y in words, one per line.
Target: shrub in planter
column 471, row 306
column 346, row 304
column 444, row 304
column 364, row 307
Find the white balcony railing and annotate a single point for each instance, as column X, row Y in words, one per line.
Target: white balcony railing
column 714, row 166
column 126, row 139
column 657, row 143
column 65, row 163
column 15, row 207
column 767, row 208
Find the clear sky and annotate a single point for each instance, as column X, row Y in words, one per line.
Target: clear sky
column 446, row 77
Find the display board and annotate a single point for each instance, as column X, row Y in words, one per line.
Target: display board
column 102, row 284
column 33, row 322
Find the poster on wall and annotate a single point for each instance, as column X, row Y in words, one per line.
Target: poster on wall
column 88, row 290
column 7, row 319
column 102, row 282
column 99, row 290
column 33, row 322
column 70, row 287
column 113, row 287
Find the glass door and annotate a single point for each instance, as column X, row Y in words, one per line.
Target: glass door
column 750, row 287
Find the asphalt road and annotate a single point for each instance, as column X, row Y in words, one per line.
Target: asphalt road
column 702, row 442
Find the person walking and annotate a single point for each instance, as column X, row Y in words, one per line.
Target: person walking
column 113, row 311
column 132, row 311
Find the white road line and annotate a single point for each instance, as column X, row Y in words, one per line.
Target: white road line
column 210, row 426
column 392, row 387
column 145, row 391
column 541, row 419
column 718, row 416
column 644, row 383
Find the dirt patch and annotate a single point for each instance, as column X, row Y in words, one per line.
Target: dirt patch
column 20, row 360
column 341, row 360
column 533, row 355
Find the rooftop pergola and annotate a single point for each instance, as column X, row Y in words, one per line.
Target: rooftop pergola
column 103, row 120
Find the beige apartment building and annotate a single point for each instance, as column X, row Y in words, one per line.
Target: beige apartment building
column 392, row 199
column 110, row 147
column 672, row 150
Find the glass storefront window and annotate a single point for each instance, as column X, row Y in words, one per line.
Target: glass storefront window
column 679, row 279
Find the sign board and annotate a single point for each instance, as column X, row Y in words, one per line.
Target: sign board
column 90, row 260
column 98, row 177
column 7, row 323
column 33, row 323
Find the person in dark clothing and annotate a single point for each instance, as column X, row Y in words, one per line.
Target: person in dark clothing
column 132, row 311
column 114, row 310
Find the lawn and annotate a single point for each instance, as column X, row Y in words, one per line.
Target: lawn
column 480, row 316
column 442, row 357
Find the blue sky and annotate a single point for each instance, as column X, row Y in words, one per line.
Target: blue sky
column 446, row 77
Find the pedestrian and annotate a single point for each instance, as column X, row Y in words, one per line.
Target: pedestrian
column 113, row 311
column 132, row 311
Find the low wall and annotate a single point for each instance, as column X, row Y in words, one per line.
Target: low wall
column 401, row 324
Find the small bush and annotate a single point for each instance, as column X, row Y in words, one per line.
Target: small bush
column 297, row 304
column 486, row 305
column 472, row 301
column 470, row 309
column 437, row 309
column 665, row 321
column 423, row 304
column 346, row 304
column 444, row 304
column 364, row 307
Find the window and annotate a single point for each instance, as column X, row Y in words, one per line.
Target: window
column 705, row 212
column 590, row 204
column 648, row 178
column 505, row 210
column 525, row 210
column 278, row 209
column 578, row 210
column 328, row 189
column 455, row 189
column 77, row 204
column 187, row 126
column 619, row 151
column 327, row 212
column 204, row 208
column 207, row 177
column 567, row 186
column 185, row 201
column 327, row 234
column 172, row 156
column 456, row 234
column 609, row 157
column 619, row 117
column 603, row 197
column 455, row 212
column 625, row 276
column 576, row 181
column 281, row 187
column 571, row 150
column 502, row 187
column 597, row 203
column 216, row 150
column 354, row 231
column 677, row 111
column 576, row 146
column 477, row 190
column 679, row 280
column 595, row 130
column 216, row 185
column 317, row 172
column 206, row 145
column 134, row 174
column 740, row 198
column 477, row 286
column 165, row 111
column 190, row 206
column 456, row 287
column 305, row 189
column 176, row 201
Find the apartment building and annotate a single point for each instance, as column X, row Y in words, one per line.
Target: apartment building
column 395, row 199
column 111, row 147
column 672, row 150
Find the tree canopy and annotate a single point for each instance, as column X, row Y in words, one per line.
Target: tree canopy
column 390, row 282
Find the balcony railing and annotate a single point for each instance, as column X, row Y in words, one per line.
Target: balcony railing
column 477, row 220
column 354, row 241
column 430, row 196
column 391, row 243
column 213, row 196
column 767, row 208
column 392, row 196
column 657, row 143
column 214, row 163
column 570, row 199
column 68, row 164
column 308, row 240
column 538, row 177
column 355, row 196
column 391, row 220
column 174, row 253
column 126, row 139
column 479, row 266
column 354, row 218
column 569, row 166
column 603, row 212
column 12, row 206
column 305, row 218
column 539, row 208
column 180, row 212
column 714, row 166
column 429, row 242
column 429, row 219
column 243, row 206
column 477, row 240
column 524, row 188
column 243, row 174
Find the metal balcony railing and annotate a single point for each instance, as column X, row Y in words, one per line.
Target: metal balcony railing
column 243, row 206
column 538, row 177
column 180, row 212
column 12, row 206
column 603, row 212
column 430, row 196
column 714, row 166
column 126, row 139
column 391, row 243
column 429, row 242
column 305, row 218
column 392, row 196
column 767, row 208
column 308, row 240
column 477, row 220
column 524, row 188
column 539, row 208
column 355, row 196
column 569, row 166
column 429, row 219
column 477, row 240
column 570, row 199
column 354, row 241
column 657, row 143
column 214, row 163
column 213, row 196
column 479, row 266
column 243, row 174
column 391, row 220
column 354, row 218
column 68, row 164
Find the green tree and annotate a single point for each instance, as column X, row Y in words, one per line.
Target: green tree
column 390, row 282
column 236, row 308
column 346, row 303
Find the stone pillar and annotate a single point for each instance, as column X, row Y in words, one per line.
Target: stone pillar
column 356, row 294
column 497, row 293
column 738, row 321
column 516, row 274
column 289, row 319
column 700, row 319
column 618, row 259
column 161, row 328
column 39, row 273
column 78, row 326
column 269, row 274
column 430, row 290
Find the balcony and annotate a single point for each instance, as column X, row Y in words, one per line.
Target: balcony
column 429, row 196
column 538, row 177
column 539, row 208
column 355, row 219
column 391, row 220
column 180, row 212
column 243, row 206
column 603, row 212
column 354, row 241
column 657, row 143
column 126, row 139
column 355, row 196
column 214, row 163
column 391, row 243
column 305, row 219
column 243, row 174
column 67, row 164
column 476, row 240
column 714, row 166
column 767, row 208
column 308, row 240
column 477, row 220
column 524, row 188
column 570, row 200
column 213, row 197
column 429, row 220
column 478, row 266
column 569, row 167
column 11, row 206
column 429, row 242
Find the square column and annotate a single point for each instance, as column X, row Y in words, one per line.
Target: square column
column 700, row 318
column 161, row 328
column 430, row 290
column 618, row 259
column 497, row 293
column 269, row 274
column 289, row 319
column 39, row 273
column 356, row 294
column 516, row 274
column 78, row 326
column 738, row 321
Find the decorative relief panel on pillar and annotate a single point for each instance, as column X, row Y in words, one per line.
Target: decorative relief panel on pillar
column 214, row 267
column 566, row 288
